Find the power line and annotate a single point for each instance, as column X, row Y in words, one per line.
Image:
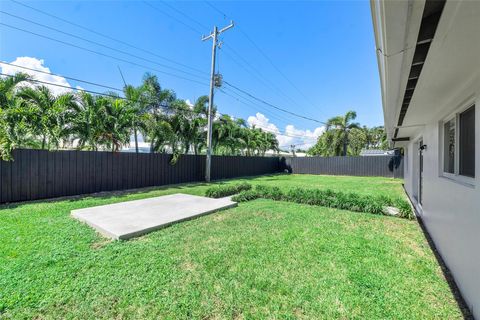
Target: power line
column 260, row 100
column 243, row 91
column 265, row 128
column 263, row 54
column 279, row 132
column 58, row 75
column 195, row 30
column 257, row 74
column 84, row 90
column 247, row 63
column 123, row 52
column 99, row 44
column 126, row 99
column 185, row 15
column 254, row 105
column 272, row 105
column 107, row 36
column 216, row 9
column 101, row 53
column 70, row 88
column 245, row 101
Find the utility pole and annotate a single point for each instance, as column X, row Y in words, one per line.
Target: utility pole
column 292, row 146
column 214, row 35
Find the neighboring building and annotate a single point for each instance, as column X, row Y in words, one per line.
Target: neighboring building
column 429, row 60
column 376, row 152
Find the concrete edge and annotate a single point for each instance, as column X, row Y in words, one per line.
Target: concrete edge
column 105, row 233
column 102, row 231
column 165, row 225
column 131, row 201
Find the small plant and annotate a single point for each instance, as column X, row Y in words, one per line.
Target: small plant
column 227, row 190
column 273, row 193
column 328, row 198
column 404, row 207
column 245, row 196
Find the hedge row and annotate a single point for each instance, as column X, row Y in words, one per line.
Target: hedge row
column 227, row 190
column 329, row 198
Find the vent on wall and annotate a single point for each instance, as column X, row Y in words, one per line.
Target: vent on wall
column 430, row 18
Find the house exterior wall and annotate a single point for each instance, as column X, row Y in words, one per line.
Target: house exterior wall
column 450, row 209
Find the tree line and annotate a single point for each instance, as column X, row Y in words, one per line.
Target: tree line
column 343, row 137
column 33, row 117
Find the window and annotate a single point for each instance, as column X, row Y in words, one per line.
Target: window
column 467, row 143
column 449, row 146
column 459, row 144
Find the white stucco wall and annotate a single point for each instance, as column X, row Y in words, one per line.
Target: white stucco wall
column 450, row 210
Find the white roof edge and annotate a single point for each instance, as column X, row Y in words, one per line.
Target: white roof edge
column 377, row 7
column 395, row 25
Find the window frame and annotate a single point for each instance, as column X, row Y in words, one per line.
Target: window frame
column 455, row 158
column 456, row 176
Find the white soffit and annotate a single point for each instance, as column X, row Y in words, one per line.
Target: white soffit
column 452, row 64
column 396, row 25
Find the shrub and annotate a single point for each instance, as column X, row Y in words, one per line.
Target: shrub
column 404, row 207
column 273, row 193
column 227, row 190
column 245, row 196
column 328, row 198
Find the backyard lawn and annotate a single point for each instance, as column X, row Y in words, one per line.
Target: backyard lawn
column 263, row 259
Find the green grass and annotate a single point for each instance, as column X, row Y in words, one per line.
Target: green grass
column 361, row 185
column 263, row 259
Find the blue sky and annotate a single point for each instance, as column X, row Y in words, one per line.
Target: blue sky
column 325, row 48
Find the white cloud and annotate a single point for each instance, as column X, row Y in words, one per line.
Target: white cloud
column 302, row 139
column 189, row 103
column 37, row 64
column 260, row 121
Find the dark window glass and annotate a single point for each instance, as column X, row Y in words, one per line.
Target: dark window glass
column 449, row 146
column 467, row 143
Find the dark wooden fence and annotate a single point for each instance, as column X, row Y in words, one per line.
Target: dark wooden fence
column 39, row 174
column 383, row 166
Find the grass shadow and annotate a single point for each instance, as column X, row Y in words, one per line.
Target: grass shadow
column 123, row 193
column 105, row 194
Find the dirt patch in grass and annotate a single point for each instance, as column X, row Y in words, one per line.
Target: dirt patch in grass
column 102, row 242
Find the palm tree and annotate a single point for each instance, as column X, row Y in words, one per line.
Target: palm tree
column 48, row 110
column 117, row 119
column 184, row 124
column 158, row 98
column 341, row 126
column 148, row 98
column 160, row 133
column 12, row 115
column 138, row 100
column 85, row 121
column 8, row 86
column 200, row 112
column 252, row 138
column 233, row 139
column 268, row 142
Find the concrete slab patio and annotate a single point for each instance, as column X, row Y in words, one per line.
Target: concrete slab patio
column 130, row 219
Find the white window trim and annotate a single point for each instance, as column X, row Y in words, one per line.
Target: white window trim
column 468, row 181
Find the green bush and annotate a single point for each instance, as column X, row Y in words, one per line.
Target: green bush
column 404, row 207
column 227, row 190
column 245, row 196
column 273, row 193
column 328, row 198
